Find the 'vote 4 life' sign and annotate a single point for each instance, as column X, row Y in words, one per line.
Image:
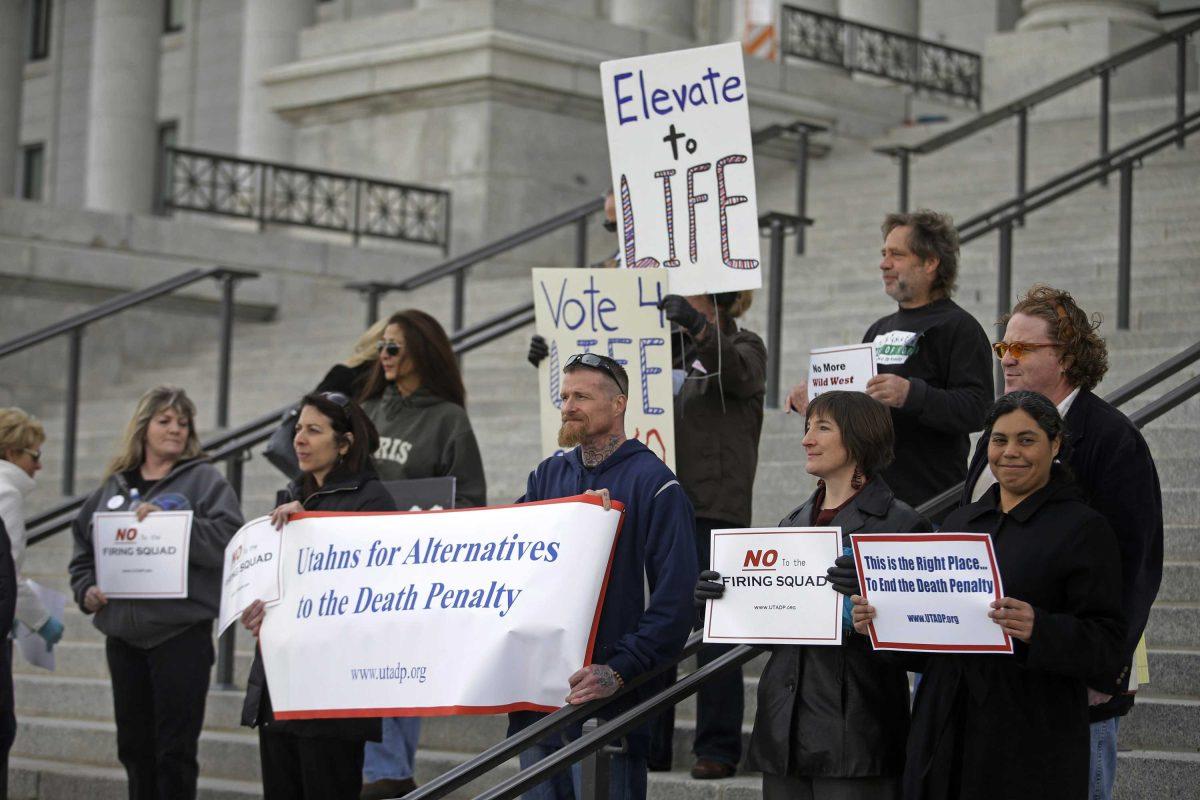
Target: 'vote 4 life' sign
column 683, row 167
column 613, row 312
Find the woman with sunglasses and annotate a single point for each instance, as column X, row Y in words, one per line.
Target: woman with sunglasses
column 416, row 400
column 160, row 652
column 318, row 759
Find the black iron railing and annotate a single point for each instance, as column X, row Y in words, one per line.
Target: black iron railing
column 284, row 194
column 73, row 328
column 1018, row 110
column 925, row 66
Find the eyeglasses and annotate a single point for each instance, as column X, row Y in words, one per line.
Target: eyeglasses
column 393, row 349
column 1019, row 349
column 36, row 455
column 602, row 363
column 337, row 398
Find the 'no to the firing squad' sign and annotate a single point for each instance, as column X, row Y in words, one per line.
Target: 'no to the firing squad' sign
column 683, row 168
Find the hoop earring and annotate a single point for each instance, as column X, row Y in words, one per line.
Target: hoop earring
column 857, row 480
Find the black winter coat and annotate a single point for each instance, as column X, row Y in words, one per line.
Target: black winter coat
column 836, row 711
column 362, row 492
column 718, row 421
column 1114, row 469
column 1015, row 727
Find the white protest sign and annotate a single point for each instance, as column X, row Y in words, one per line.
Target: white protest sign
column 145, row 560
column 432, row 613
column 615, row 313
column 846, row 368
column 931, row 591
column 683, row 167
column 34, row 647
column 252, row 570
column 776, row 591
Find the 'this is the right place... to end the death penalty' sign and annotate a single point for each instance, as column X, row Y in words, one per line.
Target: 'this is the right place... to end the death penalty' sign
column 683, row 168
column 776, row 591
column 931, row 591
column 613, row 312
column 846, row 368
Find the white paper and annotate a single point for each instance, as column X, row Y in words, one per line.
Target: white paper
column 429, row 614
column 615, row 313
column 931, row 591
column 252, row 570
column 34, row 647
column 683, row 167
column 847, row 368
column 143, row 560
column 776, row 589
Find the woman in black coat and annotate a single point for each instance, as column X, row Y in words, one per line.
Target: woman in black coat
column 831, row 721
column 318, row 759
column 1014, row 727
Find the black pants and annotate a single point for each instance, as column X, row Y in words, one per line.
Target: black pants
column 8, row 717
column 309, row 768
column 158, row 697
column 720, row 703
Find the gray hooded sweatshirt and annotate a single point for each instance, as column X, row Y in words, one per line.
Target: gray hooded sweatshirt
column 216, row 517
column 424, row 436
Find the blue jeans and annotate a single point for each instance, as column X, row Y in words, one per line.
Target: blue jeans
column 1102, row 761
column 395, row 755
column 626, row 780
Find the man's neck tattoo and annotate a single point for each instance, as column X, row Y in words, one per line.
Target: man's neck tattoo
column 594, row 453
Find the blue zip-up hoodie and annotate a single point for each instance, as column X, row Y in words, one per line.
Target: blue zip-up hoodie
column 647, row 612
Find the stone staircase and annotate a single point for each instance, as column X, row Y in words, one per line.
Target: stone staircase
column 66, row 745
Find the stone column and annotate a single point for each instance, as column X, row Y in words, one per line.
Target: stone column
column 12, row 78
column 123, row 104
column 900, row 16
column 673, row 17
column 1037, row 14
column 270, row 37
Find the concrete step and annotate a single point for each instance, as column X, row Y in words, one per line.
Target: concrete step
column 40, row 779
column 86, row 659
column 1174, row 625
column 1181, row 582
column 1145, row 774
column 1160, row 721
column 1174, row 671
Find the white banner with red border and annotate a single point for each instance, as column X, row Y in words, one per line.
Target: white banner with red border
column 931, row 591
column 433, row 613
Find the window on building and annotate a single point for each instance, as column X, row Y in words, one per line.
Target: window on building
column 172, row 16
column 39, row 29
column 168, row 136
column 33, row 168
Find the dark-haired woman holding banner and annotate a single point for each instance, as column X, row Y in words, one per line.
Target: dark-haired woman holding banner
column 317, row 759
column 1015, row 727
column 831, row 721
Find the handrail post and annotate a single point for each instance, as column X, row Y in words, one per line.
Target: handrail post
column 1180, row 86
column 903, row 154
column 775, row 313
column 356, row 224
column 225, row 354
column 227, row 643
column 373, row 293
column 801, row 183
column 581, row 231
column 595, row 769
column 1105, row 91
column 262, row 197
column 1022, row 161
column 71, row 423
column 1003, row 292
column 1124, row 244
column 460, row 299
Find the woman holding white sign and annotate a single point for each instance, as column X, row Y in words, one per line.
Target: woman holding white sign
column 317, row 759
column 160, row 651
column 1061, row 574
column 831, row 721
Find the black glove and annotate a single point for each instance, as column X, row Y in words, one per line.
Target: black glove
column 680, row 311
column 843, row 575
column 538, row 350
column 709, row 587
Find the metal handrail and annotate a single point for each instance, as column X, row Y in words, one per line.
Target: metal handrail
column 73, row 326
column 1019, row 108
column 911, row 60
column 457, row 267
column 287, row 194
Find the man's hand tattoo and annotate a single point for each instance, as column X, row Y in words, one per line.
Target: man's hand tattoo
column 604, row 676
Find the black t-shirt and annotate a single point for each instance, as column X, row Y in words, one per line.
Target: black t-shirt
column 945, row 354
column 134, row 479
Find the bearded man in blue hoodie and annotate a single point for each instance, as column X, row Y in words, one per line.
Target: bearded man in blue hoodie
column 647, row 611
